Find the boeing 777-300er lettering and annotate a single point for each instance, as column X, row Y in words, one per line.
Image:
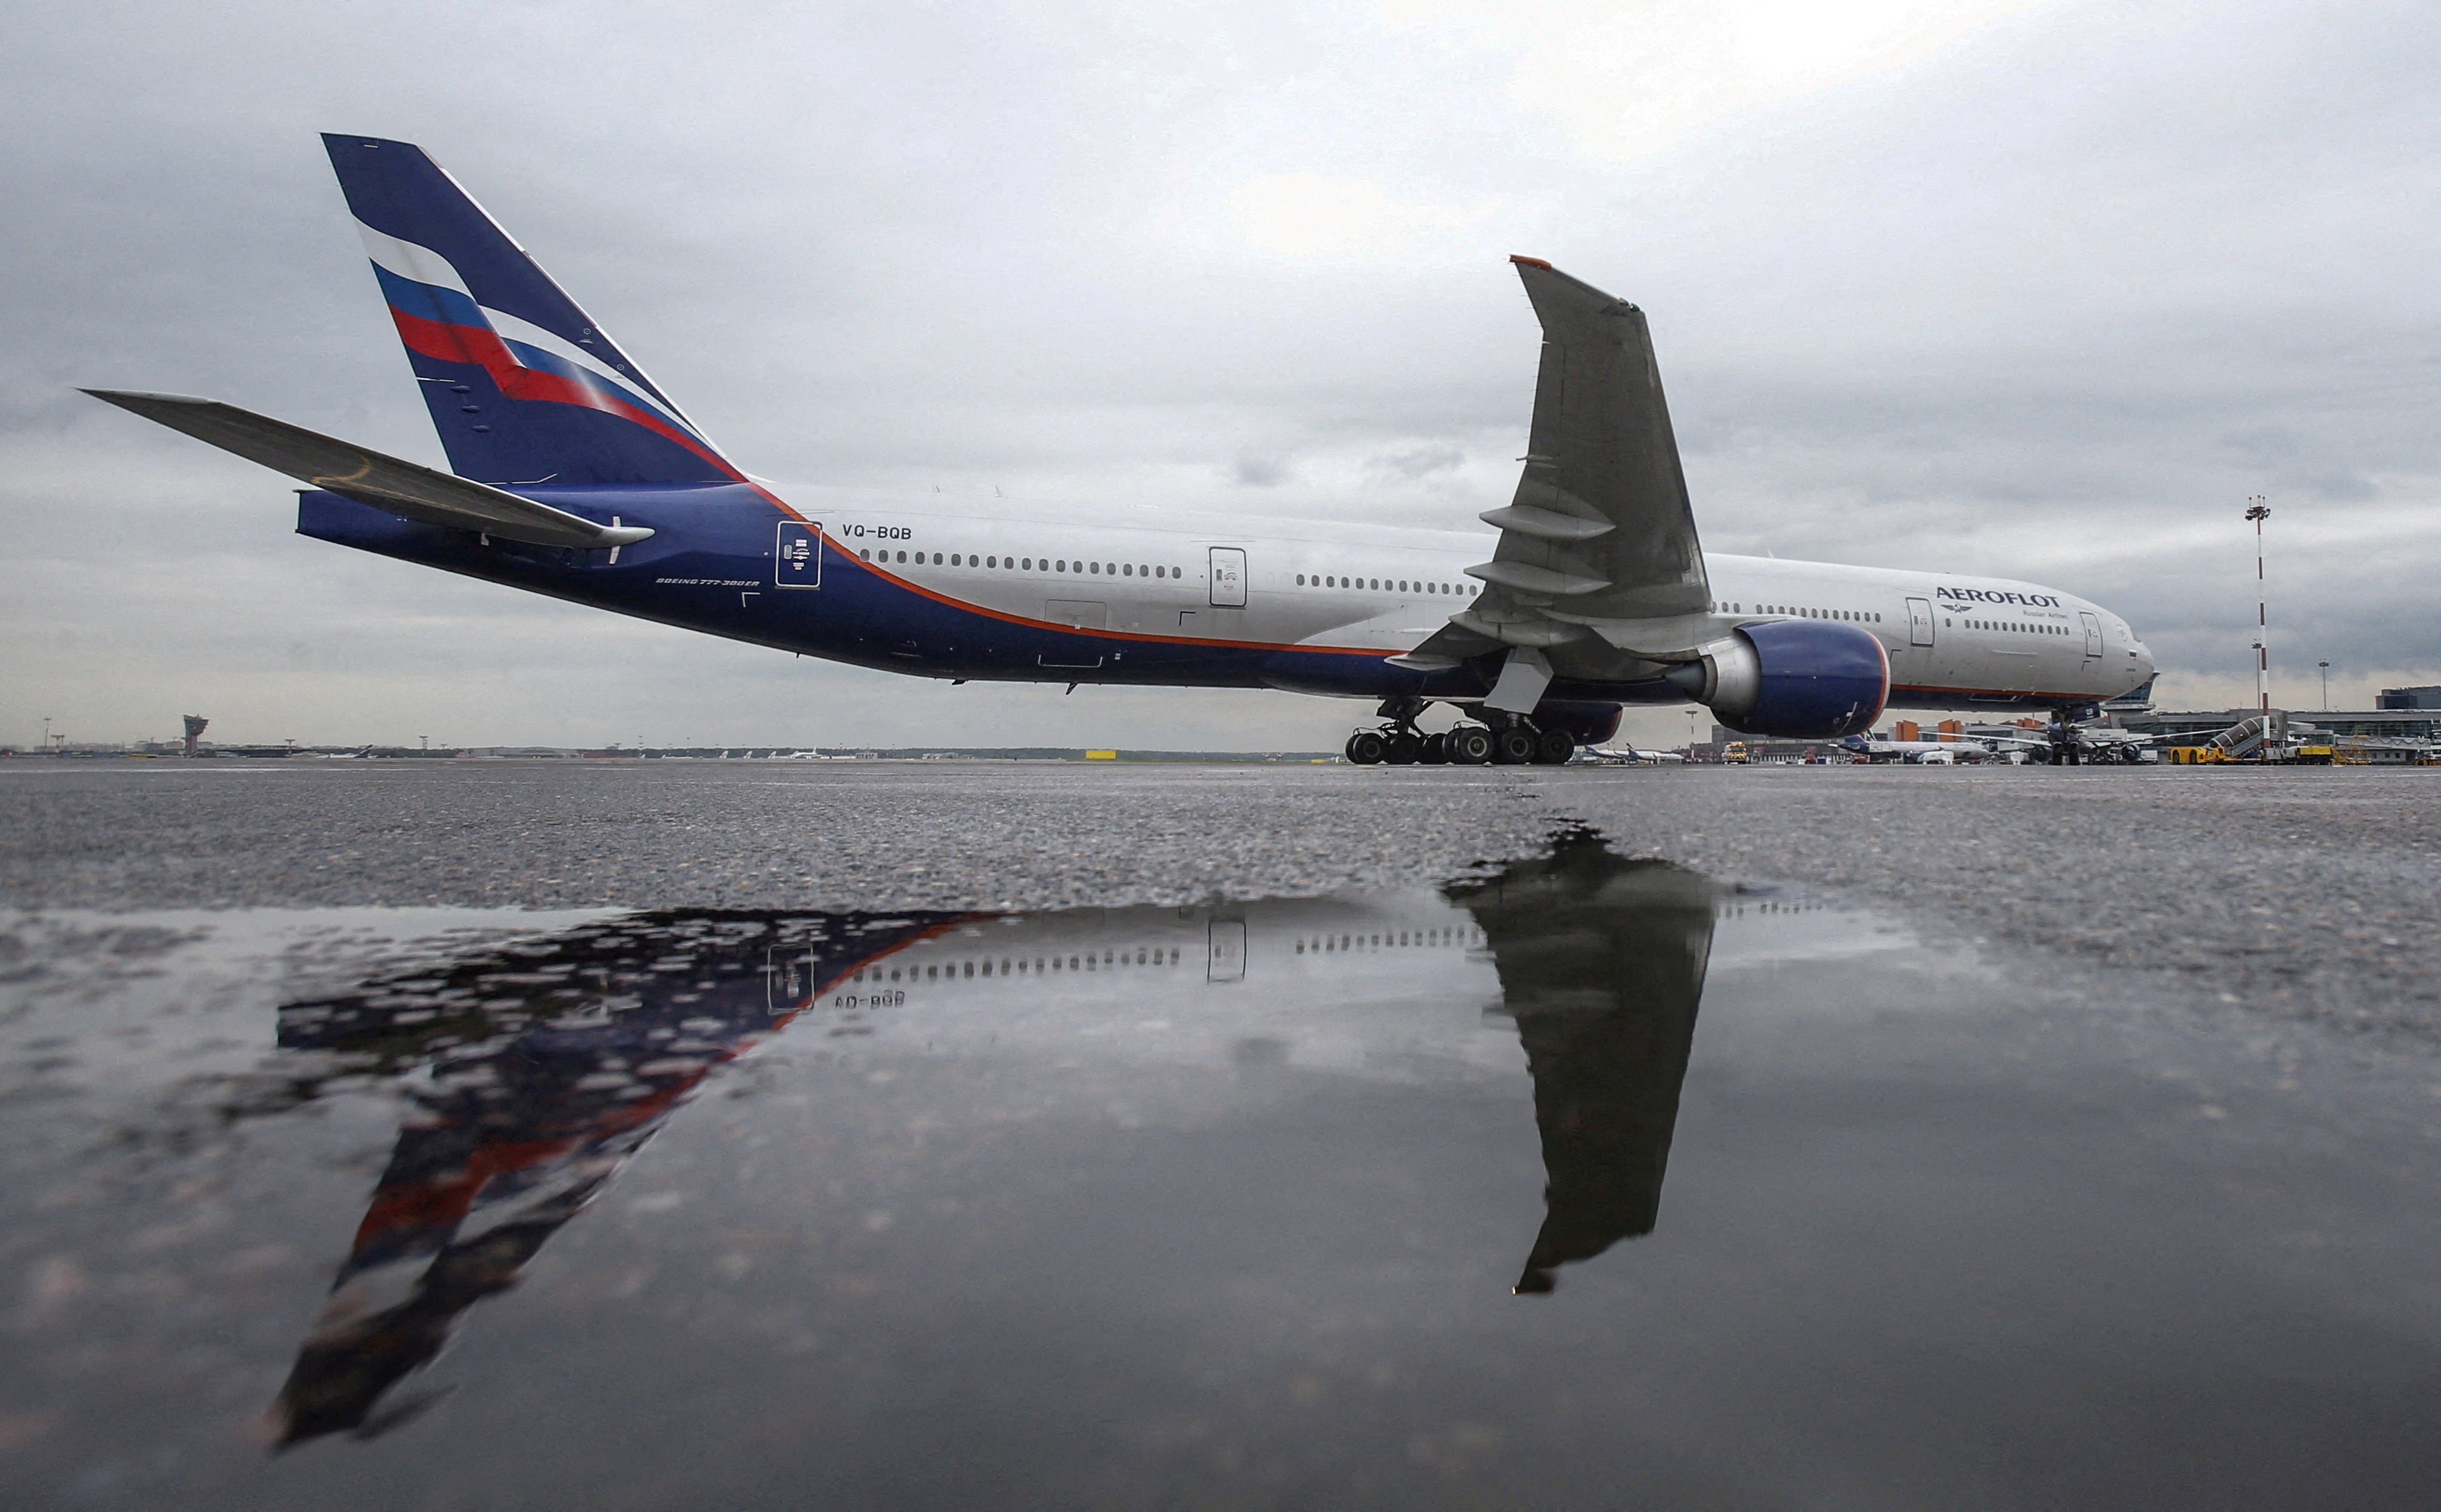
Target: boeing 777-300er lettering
column 574, row 474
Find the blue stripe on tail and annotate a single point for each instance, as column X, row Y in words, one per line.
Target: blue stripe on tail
column 476, row 314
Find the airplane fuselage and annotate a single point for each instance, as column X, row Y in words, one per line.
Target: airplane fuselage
column 947, row 588
column 572, row 474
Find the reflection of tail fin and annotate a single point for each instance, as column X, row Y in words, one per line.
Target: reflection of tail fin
column 355, row 1358
column 519, row 1126
column 522, row 384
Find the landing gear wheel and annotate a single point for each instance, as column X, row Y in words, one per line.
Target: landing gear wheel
column 1436, row 750
column 1404, row 749
column 1367, row 747
column 1513, row 746
column 1468, row 746
column 1554, row 747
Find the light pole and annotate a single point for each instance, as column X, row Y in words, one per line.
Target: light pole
column 2326, row 685
column 47, row 735
column 2258, row 513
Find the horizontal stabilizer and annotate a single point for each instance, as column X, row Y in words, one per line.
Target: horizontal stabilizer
column 389, row 483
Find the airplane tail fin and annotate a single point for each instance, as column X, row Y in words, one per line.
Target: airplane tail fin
column 523, row 386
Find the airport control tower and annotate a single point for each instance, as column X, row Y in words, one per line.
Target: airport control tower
column 195, row 724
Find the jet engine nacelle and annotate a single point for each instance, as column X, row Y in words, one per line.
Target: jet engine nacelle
column 1798, row 679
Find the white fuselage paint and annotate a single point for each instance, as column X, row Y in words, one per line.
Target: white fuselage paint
column 1386, row 588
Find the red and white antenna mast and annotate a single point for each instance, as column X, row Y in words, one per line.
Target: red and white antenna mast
column 2257, row 513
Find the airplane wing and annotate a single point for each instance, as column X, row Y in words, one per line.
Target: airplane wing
column 1600, row 526
column 403, row 488
column 1600, row 538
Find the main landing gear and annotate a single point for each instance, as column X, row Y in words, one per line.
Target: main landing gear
column 1501, row 740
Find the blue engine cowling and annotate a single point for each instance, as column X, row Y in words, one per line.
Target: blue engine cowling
column 1798, row 679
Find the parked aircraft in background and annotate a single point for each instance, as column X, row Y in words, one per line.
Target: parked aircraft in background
column 574, row 475
column 1626, row 754
column 1892, row 749
column 2089, row 743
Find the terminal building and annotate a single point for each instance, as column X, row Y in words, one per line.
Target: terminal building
column 2406, row 714
column 2398, row 713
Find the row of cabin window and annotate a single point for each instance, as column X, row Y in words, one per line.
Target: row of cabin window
column 1009, row 967
column 1318, row 943
column 1116, row 569
column 1852, row 616
column 1308, row 580
column 2025, row 629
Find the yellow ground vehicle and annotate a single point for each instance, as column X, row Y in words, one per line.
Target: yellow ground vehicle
column 2290, row 756
column 1734, row 751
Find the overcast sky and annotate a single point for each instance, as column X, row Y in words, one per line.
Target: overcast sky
column 2033, row 290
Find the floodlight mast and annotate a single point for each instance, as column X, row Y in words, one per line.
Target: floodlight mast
column 2258, row 513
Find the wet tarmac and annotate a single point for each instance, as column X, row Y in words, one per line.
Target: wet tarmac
column 1558, row 1175
column 2299, row 892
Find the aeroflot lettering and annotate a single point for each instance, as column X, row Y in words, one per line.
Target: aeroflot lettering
column 2039, row 601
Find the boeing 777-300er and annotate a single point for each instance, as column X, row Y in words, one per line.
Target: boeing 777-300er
column 574, row 474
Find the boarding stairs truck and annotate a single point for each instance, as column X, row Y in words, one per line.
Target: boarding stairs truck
column 2266, row 739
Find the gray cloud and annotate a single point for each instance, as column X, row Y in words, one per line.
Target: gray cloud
column 1260, row 472
column 2050, row 300
column 1414, row 464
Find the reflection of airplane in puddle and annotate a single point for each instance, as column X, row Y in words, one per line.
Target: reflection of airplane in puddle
column 548, row 1062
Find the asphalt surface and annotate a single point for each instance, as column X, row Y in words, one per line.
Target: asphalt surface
column 1943, row 1138
column 2301, row 893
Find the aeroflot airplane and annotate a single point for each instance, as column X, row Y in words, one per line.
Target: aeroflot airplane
column 574, row 474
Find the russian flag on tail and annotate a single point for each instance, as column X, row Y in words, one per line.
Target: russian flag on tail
column 523, row 386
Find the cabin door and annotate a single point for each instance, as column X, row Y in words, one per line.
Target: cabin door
column 797, row 558
column 1225, row 957
column 1919, row 621
column 2092, row 632
column 1228, row 577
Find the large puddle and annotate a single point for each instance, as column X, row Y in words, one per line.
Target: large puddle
column 1592, row 1183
